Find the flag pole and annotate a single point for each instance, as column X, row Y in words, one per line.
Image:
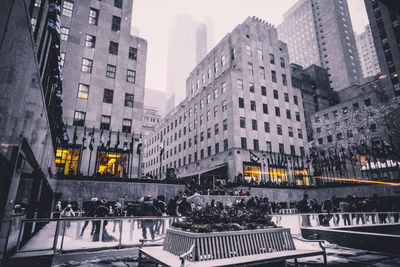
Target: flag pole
column 90, row 160
column 138, row 171
column 132, row 141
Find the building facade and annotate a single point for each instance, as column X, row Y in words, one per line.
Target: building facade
column 187, row 45
column 104, row 69
column 316, row 92
column 239, row 99
column 30, row 114
column 320, row 32
column 367, row 53
column 385, row 28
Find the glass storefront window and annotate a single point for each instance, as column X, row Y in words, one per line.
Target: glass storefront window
column 252, row 171
column 112, row 163
column 278, row 175
column 67, row 160
column 301, row 177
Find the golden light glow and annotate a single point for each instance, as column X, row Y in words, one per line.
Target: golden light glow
column 395, row 75
column 355, row 180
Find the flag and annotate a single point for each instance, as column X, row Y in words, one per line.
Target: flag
column 253, row 157
column 125, row 147
column 91, row 140
column 108, row 140
column 101, row 144
column 65, row 134
column 131, row 144
column 84, row 139
column 75, row 136
column 161, row 148
column 117, row 143
column 139, row 146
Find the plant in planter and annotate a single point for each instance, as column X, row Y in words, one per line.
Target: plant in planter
column 220, row 219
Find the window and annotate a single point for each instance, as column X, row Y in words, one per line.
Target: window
column 290, row 131
column 271, row 58
column 113, row 48
column 277, row 111
column 297, row 116
column 269, row 146
column 355, row 106
column 339, row 136
column 349, row 133
column 201, row 136
column 317, row 120
column 105, row 122
column 132, row 53
column 281, row 148
column 256, row 145
column 209, row 151
column 300, row 133
column 260, row 55
column 248, row 50
column 208, row 133
column 367, row 102
column 93, row 16
column 295, row 100
column 372, row 127
column 276, row 96
column 335, row 113
column 345, row 110
column 261, row 71
column 224, row 107
column 250, row 67
column 240, row 84
column 282, row 62
column 263, row 90
column 320, row 141
column 216, row 68
column 223, row 87
column 215, row 93
column 126, row 125
column 67, row 8
column 279, row 129
column 110, row 72
column 208, row 99
column 108, row 96
column 253, row 105
column 130, row 76
column 216, row 148
column 128, row 100
column 225, row 144
column 286, row 95
column 208, row 115
column 284, row 80
column 62, row 58
column 118, row 3
column 292, row 150
column 265, row 108
column 90, row 41
column 329, row 138
column 243, row 143
column 79, row 118
column 302, row 151
column 225, row 125
column 273, row 76
column 64, row 32
column 116, row 24
column 223, row 62
column 241, row 102
column 242, row 122
column 254, row 125
column 202, row 153
column 266, row 127
column 215, row 111
column 83, row 91
column 86, row 65
column 251, row 87
column 216, row 129
column 288, row 114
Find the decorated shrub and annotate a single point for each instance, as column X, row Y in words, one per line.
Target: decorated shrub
column 219, row 219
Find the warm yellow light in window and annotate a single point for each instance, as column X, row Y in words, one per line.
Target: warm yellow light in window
column 83, row 95
column 395, row 75
column 111, row 161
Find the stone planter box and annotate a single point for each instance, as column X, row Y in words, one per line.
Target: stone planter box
column 222, row 245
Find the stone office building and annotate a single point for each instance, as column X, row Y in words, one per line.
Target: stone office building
column 104, row 77
column 239, row 99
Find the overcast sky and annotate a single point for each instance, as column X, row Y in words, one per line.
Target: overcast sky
column 154, row 17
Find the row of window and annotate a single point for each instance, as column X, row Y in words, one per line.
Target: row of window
column 260, row 56
column 264, row 91
column 253, row 107
column 349, row 133
column 254, row 126
column 108, row 96
column 105, row 122
column 345, row 110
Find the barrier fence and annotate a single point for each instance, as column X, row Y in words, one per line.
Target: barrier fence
column 83, row 233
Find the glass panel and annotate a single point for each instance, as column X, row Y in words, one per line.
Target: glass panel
column 67, row 160
column 112, row 163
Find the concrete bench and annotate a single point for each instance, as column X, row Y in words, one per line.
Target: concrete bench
column 259, row 246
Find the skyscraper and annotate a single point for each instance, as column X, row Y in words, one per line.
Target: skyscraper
column 104, row 76
column 385, row 28
column 187, row 45
column 367, row 53
column 240, row 101
column 320, row 32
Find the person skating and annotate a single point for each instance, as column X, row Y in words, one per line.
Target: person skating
column 147, row 208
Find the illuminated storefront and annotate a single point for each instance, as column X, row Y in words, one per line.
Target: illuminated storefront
column 67, row 160
column 252, row 171
column 301, row 176
column 112, row 162
column 278, row 175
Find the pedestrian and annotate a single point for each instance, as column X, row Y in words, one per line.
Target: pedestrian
column 183, row 207
column 345, row 208
column 68, row 212
column 90, row 212
column 147, row 208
